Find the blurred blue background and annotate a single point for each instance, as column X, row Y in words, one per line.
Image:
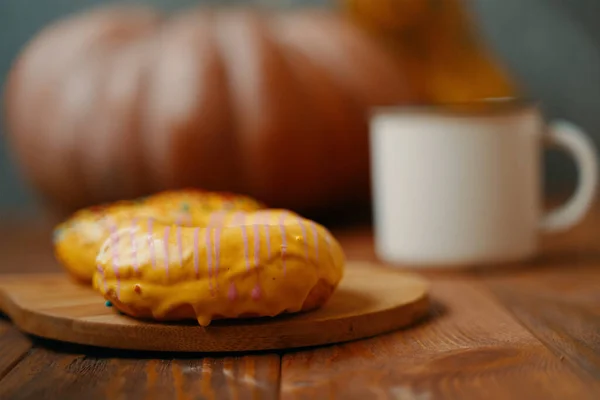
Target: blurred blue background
column 551, row 46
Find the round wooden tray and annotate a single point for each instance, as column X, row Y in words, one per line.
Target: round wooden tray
column 370, row 300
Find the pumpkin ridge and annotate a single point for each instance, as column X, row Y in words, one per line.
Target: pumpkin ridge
column 137, row 161
column 202, row 135
column 314, row 98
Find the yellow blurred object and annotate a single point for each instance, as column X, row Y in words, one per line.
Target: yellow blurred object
column 438, row 42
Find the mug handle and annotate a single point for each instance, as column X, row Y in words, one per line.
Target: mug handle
column 569, row 137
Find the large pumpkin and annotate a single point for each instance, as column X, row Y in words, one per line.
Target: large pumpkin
column 120, row 102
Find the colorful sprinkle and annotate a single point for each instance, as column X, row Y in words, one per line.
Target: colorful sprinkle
column 107, row 303
column 137, row 288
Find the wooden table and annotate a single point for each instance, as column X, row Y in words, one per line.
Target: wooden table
column 529, row 331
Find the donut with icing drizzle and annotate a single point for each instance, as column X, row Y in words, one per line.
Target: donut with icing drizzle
column 252, row 264
column 78, row 239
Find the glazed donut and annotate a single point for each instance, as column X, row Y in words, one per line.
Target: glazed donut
column 253, row 264
column 78, row 239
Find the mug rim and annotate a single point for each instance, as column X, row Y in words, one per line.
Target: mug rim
column 483, row 106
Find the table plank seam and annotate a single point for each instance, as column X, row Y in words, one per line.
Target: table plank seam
column 13, row 365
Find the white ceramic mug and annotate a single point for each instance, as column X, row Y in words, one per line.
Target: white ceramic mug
column 461, row 185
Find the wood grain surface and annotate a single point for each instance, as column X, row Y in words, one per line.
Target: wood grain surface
column 528, row 332
column 472, row 348
column 561, row 307
column 51, row 371
column 369, row 300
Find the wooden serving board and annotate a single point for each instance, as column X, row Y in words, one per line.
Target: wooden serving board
column 370, row 300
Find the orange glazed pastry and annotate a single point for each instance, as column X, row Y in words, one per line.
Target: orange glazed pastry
column 78, row 240
column 262, row 263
